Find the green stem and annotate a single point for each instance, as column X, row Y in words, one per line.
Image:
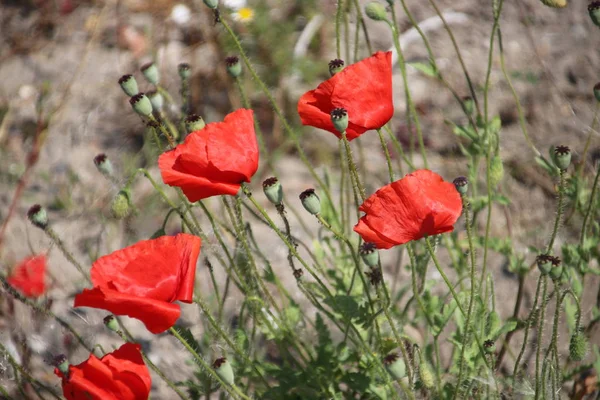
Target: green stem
column 559, row 211
column 528, row 324
column 233, row 390
column 590, row 207
column 387, row 155
column 51, row 233
column 540, row 336
column 353, row 171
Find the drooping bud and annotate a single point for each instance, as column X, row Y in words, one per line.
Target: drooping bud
column 461, row 184
column 562, row 157
column 212, row 4
column 141, row 104
column 121, row 204
column 111, row 323
column 395, row 366
column 335, row 66
column 61, row 362
column 594, row 11
column 375, row 11
column 489, row 346
column 156, row 99
column 544, row 263
column 234, row 68
column 339, row 119
column 185, row 71
column 597, row 91
column 223, row 368
column 129, row 85
column 38, row 216
column 369, row 254
column 273, row 190
column 194, row 122
column 578, row 347
column 150, row 72
column 426, row 375
column 103, row 165
column 311, row 201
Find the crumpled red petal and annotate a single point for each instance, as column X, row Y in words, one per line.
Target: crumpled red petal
column 420, row 204
column 364, row 89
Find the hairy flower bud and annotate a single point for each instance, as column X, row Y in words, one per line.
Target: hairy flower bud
column 555, row 3
column 375, row 11
column 120, row 206
column 496, row 171
column 426, row 375
column 578, row 347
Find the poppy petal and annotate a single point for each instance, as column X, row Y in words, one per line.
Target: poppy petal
column 156, row 315
column 29, row 277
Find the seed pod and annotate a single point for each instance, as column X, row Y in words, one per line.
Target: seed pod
column 395, row 366
column 369, row 254
column 335, row 66
column 111, row 323
column 339, row 118
column 311, row 201
column 212, row 4
column 38, row 216
column 461, row 184
column 62, row 363
column 489, row 346
column 194, row 122
column 544, row 263
column 562, row 157
column 597, row 91
column 223, row 369
column 156, row 99
column 141, row 104
column 234, row 68
column 150, row 72
column 129, row 85
column 184, row 70
column 273, row 190
column 103, row 165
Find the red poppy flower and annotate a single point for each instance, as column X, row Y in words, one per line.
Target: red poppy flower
column 143, row 280
column 214, row 160
column 120, row 375
column 420, row 204
column 363, row 89
column 29, row 277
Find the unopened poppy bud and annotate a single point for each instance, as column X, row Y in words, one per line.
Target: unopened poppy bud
column 426, row 375
column 578, row 347
column 489, row 346
column 496, row 171
column 461, row 184
column 129, row 85
column 61, row 362
column 160, row 232
column 120, row 206
column 184, row 70
column 544, row 263
column 111, row 323
column 150, row 72
column 103, row 165
column 141, row 104
column 156, row 99
column 335, row 66
column 310, row 201
column 369, row 254
column 339, row 118
column 468, row 104
column 597, row 91
column 375, row 11
column 395, row 366
column 194, row 122
column 211, row 3
column 38, row 216
column 594, row 11
column 273, row 190
column 562, row 157
column 234, row 68
column 223, row 369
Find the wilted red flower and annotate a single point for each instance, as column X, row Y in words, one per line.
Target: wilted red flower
column 143, row 280
column 120, row 375
column 418, row 205
column 214, row 160
column 29, row 277
column 363, row 89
